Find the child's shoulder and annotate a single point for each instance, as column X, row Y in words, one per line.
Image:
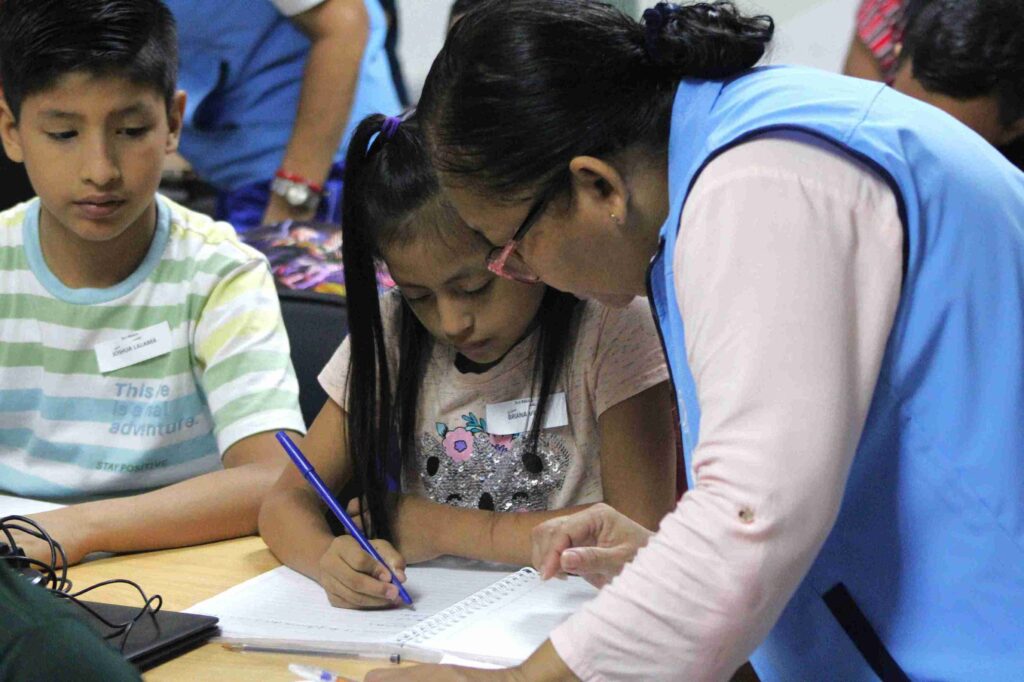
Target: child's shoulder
column 207, row 242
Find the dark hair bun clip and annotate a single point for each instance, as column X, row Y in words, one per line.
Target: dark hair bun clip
column 705, row 39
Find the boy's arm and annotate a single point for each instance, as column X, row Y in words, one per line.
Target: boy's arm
column 241, row 346
column 214, row 506
column 338, row 31
column 638, row 472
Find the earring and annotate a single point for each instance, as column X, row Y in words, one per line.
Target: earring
column 616, row 219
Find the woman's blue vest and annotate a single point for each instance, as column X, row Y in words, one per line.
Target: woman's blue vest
column 923, row 572
column 241, row 66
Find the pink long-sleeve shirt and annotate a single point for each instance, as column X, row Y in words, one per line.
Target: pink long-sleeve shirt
column 788, row 267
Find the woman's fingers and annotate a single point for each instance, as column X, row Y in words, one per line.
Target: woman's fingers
column 554, row 536
column 596, row 565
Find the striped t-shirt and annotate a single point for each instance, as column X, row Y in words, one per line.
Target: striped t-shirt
column 69, row 430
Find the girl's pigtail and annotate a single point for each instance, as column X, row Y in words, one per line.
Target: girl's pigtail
column 558, row 320
column 369, row 405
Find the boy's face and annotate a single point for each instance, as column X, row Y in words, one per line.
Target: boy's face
column 94, row 148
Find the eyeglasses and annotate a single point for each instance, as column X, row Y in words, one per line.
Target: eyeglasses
column 505, row 261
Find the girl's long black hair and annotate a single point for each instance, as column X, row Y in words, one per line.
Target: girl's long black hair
column 388, row 178
column 522, row 87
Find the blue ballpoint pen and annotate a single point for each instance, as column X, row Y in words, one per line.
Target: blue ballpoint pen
column 314, row 479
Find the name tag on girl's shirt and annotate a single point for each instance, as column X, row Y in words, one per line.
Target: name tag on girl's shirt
column 516, row 416
column 134, row 347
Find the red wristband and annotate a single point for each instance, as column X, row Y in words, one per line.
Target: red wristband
column 285, row 175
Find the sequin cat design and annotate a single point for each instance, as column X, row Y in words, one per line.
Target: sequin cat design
column 467, row 467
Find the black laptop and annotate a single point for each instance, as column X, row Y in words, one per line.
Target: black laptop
column 155, row 638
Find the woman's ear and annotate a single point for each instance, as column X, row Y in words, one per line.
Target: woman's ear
column 599, row 190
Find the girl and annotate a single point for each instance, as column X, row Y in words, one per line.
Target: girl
column 838, row 273
column 431, row 392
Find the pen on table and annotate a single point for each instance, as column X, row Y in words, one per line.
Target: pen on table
column 390, row 654
column 308, row 672
column 307, row 470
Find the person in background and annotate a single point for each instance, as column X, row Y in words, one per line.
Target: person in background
column 274, row 89
column 391, row 47
column 874, row 49
column 143, row 361
column 967, row 58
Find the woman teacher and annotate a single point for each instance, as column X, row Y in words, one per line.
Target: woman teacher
column 838, row 275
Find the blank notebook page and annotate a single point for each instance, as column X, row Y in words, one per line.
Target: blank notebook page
column 506, row 622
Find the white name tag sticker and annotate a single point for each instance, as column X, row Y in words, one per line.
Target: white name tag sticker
column 134, row 347
column 516, row 416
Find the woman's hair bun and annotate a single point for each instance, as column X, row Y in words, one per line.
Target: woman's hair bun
column 704, row 40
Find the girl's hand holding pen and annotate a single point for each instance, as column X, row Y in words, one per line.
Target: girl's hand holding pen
column 355, row 580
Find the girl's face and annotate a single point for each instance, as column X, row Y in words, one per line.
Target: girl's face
column 443, row 277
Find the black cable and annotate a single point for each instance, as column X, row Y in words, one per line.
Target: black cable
column 55, row 575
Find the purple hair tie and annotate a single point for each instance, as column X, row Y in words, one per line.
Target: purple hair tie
column 390, row 125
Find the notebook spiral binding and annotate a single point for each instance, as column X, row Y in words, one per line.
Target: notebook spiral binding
column 455, row 613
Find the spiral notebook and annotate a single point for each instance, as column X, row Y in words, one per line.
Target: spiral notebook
column 479, row 615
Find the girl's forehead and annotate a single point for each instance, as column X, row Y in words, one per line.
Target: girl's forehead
column 482, row 214
column 433, row 258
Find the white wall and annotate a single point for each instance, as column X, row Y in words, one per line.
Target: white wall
column 421, row 28
column 811, row 32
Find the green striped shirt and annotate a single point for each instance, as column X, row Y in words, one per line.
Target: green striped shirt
column 219, row 370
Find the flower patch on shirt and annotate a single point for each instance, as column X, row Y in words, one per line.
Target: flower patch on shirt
column 465, row 466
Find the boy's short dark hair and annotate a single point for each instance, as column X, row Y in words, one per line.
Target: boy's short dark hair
column 969, row 48
column 44, row 40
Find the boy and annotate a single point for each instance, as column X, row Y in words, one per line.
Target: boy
column 141, row 345
column 967, row 58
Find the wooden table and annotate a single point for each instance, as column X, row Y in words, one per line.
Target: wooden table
column 187, row 576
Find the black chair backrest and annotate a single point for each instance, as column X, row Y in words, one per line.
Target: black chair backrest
column 316, row 325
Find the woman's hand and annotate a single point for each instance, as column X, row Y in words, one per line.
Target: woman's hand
column 355, row 580
column 594, row 544
column 414, row 524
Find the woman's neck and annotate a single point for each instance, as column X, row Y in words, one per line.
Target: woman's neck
column 648, row 208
